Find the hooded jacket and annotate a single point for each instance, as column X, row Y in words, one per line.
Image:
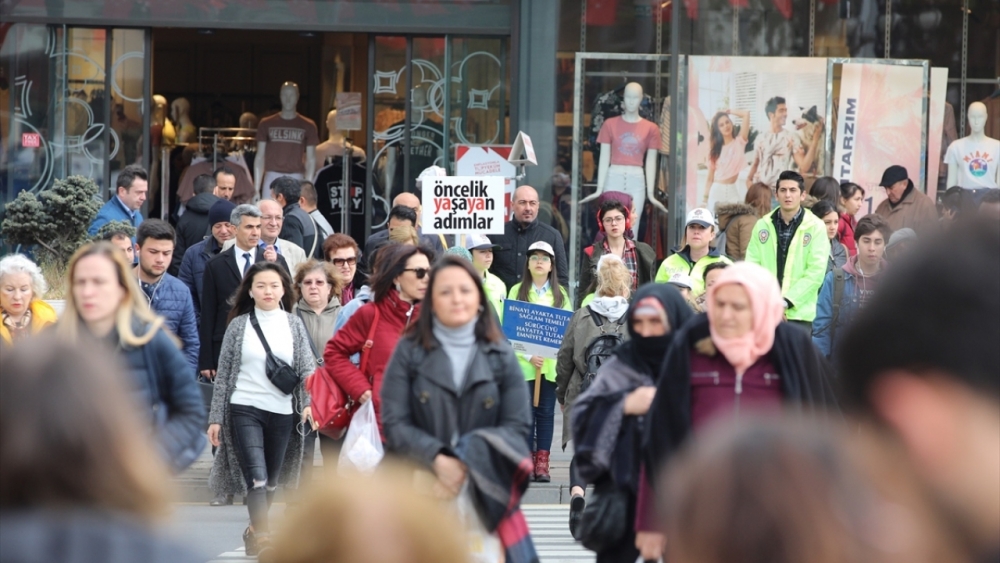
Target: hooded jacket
column 394, row 316
column 680, row 262
column 838, row 255
column 737, row 221
column 42, row 315
column 805, row 265
column 824, row 334
column 192, row 227
column 319, row 327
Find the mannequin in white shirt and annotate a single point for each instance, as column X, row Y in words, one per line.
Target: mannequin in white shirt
column 960, row 167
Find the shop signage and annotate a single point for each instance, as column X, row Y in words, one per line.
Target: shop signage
column 488, row 160
column 880, row 119
column 455, row 205
column 31, row 140
column 348, row 111
column 533, row 329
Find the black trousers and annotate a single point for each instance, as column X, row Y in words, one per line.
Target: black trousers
column 261, row 440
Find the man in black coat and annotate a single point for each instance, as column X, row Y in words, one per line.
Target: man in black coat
column 298, row 227
column 223, row 275
column 521, row 232
column 193, row 224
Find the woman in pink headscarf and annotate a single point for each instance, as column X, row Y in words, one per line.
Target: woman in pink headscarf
column 739, row 357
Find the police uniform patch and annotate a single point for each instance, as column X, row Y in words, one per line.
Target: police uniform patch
column 806, row 238
column 763, row 236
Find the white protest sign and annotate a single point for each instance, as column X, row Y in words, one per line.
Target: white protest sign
column 456, row 205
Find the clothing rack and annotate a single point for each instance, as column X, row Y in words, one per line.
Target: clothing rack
column 213, row 136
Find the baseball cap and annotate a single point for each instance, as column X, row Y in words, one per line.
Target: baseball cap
column 700, row 216
column 681, row 280
column 893, row 174
column 544, row 247
column 479, row 242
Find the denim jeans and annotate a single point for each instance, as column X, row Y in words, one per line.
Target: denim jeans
column 543, row 416
column 261, row 440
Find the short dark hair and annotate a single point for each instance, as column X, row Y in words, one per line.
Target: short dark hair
column 204, row 184
column 945, row 324
column 791, row 175
column 847, row 190
column 611, row 205
column 822, row 208
column 119, row 230
column 772, row 105
column 223, row 170
column 289, row 188
column 871, row 223
column 128, row 175
column 403, row 213
column 156, row 229
column 991, row 196
column 308, row 192
column 713, row 266
column 392, row 260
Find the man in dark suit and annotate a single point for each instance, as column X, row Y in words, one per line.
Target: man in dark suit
column 223, row 275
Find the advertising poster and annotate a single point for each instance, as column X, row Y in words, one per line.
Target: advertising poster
column 488, row 160
column 533, row 329
column 348, row 111
column 879, row 123
column 935, row 129
column 749, row 119
column 457, row 205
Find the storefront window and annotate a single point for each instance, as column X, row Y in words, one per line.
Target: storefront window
column 127, row 99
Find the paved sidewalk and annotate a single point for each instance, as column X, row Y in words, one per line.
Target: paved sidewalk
column 192, row 485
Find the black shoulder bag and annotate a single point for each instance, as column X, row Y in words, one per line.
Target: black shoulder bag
column 280, row 373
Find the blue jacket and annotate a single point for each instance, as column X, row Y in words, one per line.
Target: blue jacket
column 114, row 210
column 193, row 269
column 171, row 299
column 163, row 380
column 824, row 335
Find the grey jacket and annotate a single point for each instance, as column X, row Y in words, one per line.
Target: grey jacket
column 423, row 414
column 571, row 363
column 227, row 476
column 319, row 327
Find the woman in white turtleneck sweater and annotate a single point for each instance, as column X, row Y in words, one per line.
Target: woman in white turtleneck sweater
column 604, row 315
column 252, row 421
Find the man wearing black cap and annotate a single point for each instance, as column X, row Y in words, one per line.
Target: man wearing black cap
column 904, row 205
column 193, row 264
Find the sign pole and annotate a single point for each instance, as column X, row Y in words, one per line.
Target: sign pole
column 538, row 385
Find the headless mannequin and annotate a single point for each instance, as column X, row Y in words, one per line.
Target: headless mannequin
column 974, row 160
column 289, row 101
column 335, row 142
column 186, row 131
column 632, row 99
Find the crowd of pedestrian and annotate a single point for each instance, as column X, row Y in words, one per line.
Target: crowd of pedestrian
column 780, row 387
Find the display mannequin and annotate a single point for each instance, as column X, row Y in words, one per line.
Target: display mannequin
column 180, row 111
column 974, row 160
column 249, row 120
column 629, row 147
column 282, row 141
column 426, row 144
column 335, row 142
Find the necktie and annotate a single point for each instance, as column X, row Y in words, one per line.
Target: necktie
column 246, row 265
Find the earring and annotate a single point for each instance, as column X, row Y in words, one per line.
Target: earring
column 398, row 288
column 251, row 296
column 481, row 309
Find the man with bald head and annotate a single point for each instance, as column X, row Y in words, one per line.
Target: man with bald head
column 519, row 233
column 272, row 218
column 381, row 238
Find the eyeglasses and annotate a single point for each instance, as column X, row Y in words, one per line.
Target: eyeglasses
column 614, row 220
column 272, row 218
column 340, row 262
column 540, row 258
column 319, row 283
column 419, row 272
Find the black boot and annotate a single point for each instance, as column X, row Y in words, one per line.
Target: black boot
column 576, row 507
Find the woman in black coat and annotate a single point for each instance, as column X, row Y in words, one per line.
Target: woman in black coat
column 454, row 387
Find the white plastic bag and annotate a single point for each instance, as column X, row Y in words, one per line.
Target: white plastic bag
column 362, row 449
column 484, row 547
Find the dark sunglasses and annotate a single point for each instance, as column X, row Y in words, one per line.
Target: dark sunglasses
column 419, row 272
column 339, row 262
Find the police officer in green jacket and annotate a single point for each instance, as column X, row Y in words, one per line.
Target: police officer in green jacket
column 695, row 252
column 792, row 245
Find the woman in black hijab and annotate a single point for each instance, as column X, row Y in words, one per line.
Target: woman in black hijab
column 608, row 422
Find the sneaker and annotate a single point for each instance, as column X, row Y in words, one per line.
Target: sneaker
column 221, row 500
column 250, row 542
column 576, row 507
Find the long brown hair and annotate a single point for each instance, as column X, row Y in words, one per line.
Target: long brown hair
column 243, row 303
column 717, row 140
column 523, row 293
column 133, row 305
column 423, row 330
column 70, row 436
column 759, row 196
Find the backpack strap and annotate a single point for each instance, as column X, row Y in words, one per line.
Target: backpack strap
column 839, row 280
column 369, row 342
column 598, row 319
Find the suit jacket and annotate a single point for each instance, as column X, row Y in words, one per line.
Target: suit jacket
column 219, row 282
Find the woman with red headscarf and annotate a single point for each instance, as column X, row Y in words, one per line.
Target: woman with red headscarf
column 739, row 357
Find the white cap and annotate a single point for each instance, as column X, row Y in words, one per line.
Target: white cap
column 700, row 216
column 429, row 173
column 479, row 242
column 544, row 247
column 681, row 280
